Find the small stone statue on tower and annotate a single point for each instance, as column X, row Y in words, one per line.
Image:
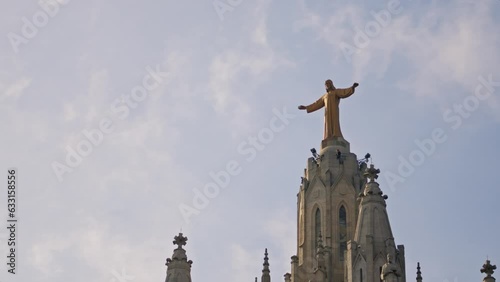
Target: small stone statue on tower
column 390, row 271
column 331, row 100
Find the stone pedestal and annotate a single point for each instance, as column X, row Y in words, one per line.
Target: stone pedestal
column 338, row 142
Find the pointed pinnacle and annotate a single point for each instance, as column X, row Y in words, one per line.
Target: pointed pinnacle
column 266, row 261
column 419, row 274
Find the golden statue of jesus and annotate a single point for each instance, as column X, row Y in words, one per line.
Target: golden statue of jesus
column 331, row 100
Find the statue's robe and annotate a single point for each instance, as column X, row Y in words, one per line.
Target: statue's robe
column 331, row 101
column 390, row 272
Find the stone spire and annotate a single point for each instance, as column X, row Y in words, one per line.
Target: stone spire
column 488, row 269
column 178, row 267
column 265, row 270
column 419, row 274
column 373, row 222
column 373, row 252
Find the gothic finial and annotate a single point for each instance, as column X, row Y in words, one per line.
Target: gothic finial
column 372, row 173
column 488, row 268
column 265, row 271
column 266, row 258
column 180, row 241
column 419, row 274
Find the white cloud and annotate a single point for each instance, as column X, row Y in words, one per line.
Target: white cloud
column 16, row 89
column 70, row 112
column 98, row 91
column 282, row 230
column 235, row 71
column 243, row 263
column 456, row 51
column 43, row 251
column 101, row 250
column 52, row 2
column 447, row 45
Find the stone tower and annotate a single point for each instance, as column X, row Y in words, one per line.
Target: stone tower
column 342, row 221
column 178, row 267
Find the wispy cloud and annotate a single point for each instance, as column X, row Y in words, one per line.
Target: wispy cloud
column 15, row 90
column 236, row 70
column 447, row 44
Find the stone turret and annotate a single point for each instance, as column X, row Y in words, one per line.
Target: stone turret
column 179, row 267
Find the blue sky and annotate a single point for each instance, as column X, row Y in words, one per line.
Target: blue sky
column 217, row 74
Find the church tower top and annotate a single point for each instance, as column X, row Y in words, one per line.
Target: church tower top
column 488, row 269
column 179, row 267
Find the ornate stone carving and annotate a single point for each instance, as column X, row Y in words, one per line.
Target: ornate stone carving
column 488, row 268
column 372, row 173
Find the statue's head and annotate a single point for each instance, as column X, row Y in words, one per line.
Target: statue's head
column 329, row 85
column 389, row 258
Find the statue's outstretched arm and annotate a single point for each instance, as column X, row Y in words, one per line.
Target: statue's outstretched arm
column 345, row 92
column 316, row 105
